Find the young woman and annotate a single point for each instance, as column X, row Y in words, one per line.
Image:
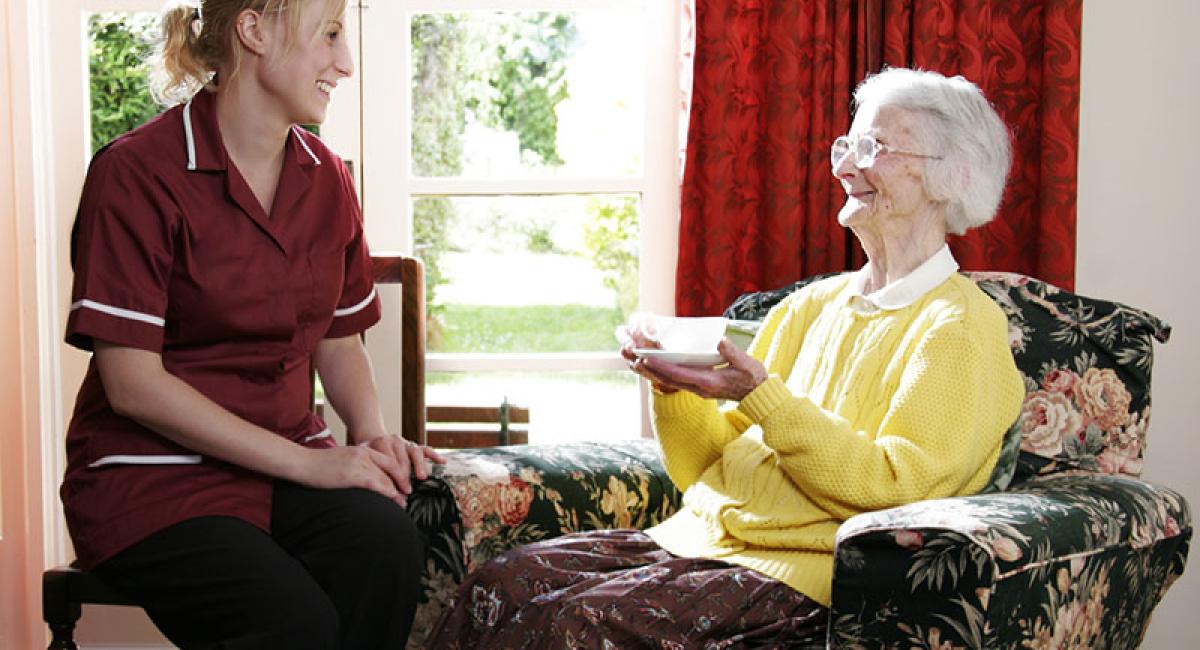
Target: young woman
column 219, row 256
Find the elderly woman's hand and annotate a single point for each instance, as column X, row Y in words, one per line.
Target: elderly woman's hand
column 733, row 381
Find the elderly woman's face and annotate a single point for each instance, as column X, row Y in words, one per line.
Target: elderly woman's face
column 893, row 186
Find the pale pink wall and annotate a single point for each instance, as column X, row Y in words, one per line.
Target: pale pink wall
column 20, row 492
column 19, row 535
column 1139, row 228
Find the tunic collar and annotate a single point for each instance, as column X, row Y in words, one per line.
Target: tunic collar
column 206, row 153
column 908, row 289
column 206, row 150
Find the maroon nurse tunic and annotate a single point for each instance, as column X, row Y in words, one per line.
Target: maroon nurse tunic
column 173, row 254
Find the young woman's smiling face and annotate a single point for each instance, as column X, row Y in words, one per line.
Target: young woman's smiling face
column 302, row 77
column 893, row 187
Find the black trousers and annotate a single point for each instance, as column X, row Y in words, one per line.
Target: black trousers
column 340, row 569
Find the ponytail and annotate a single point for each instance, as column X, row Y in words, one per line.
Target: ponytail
column 195, row 44
column 180, row 66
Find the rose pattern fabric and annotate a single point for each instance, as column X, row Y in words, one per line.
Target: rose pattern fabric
column 1046, row 565
column 1037, row 566
column 1103, row 397
column 1046, row 418
column 1047, row 562
column 486, row 501
column 1087, row 364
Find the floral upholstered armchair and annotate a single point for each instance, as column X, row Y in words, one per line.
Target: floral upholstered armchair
column 1066, row 548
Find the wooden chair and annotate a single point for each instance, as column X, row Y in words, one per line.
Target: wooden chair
column 444, row 427
column 477, row 426
column 66, row 589
column 409, row 272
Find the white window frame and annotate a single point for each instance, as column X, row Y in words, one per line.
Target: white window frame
column 362, row 118
column 383, row 119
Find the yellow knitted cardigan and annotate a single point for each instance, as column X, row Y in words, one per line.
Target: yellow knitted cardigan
column 880, row 408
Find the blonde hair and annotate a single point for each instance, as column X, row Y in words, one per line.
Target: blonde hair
column 197, row 40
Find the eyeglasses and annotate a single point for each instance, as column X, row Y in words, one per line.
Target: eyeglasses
column 865, row 149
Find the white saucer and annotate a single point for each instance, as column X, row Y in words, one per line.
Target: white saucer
column 682, row 358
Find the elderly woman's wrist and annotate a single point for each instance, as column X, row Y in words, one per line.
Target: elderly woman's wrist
column 681, row 403
column 661, row 389
column 764, row 399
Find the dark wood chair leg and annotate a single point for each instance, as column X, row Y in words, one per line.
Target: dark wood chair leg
column 59, row 611
column 62, row 637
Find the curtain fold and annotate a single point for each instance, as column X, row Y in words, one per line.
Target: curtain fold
column 772, row 87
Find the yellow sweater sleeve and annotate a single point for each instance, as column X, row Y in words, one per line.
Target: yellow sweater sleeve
column 956, row 396
column 693, row 431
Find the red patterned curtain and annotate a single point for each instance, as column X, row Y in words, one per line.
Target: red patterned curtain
column 772, row 88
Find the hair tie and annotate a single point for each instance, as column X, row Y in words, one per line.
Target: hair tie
column 196, row 13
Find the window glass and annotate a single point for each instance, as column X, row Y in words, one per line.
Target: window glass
column 528, row 273
column 524, row 181
column 563, row 406
column 118, row 44
column 527, row 94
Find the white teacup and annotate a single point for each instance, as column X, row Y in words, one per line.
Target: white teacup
column 684, row 340
column 688, row 334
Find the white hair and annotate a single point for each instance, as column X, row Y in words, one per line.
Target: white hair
column 961, row 127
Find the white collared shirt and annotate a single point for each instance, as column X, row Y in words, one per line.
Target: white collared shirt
column 908, row 289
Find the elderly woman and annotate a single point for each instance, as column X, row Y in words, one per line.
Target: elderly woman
column 864, row 391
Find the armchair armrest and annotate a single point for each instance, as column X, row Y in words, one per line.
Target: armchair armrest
column 1048, row 561
column 483, row 502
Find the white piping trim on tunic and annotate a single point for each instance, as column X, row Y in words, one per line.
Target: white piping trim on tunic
column 120, row 459
column 300, row 137
column 325, row 433
column 187, row 135
column 355, row 308
column 119, row 312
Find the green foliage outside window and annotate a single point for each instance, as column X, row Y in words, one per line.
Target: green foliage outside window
column 438, row 115
column 471, row 328
column 612, row 239
column 506, row 73
column 120, row 98
column 529, row 79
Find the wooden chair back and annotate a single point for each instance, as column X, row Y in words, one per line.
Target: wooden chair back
column 439, row 426
column 409, row 272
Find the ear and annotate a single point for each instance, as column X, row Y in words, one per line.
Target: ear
column 251, row 31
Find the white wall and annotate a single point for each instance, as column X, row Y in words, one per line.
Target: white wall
column 1139, row 229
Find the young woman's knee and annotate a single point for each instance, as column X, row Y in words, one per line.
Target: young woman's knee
column 382, row 535
column 401, row 542
column 318, row 628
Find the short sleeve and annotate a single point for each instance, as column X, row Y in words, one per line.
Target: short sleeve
column 358, row 306
column 122, row 253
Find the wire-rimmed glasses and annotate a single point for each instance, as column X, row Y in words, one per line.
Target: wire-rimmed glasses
column 865, row 149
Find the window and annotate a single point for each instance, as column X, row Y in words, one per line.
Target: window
column 527, row 153
column 118, row 97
